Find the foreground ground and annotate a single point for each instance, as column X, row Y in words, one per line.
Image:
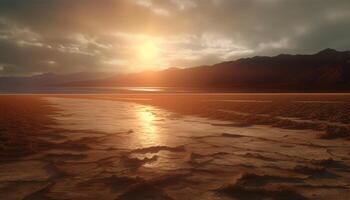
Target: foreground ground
column 175, row 146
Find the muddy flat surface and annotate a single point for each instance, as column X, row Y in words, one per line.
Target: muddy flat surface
column 175, row 147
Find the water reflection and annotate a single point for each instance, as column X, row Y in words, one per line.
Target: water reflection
column 145, row 89
column 149, row 130
column 111, row 117
column 182, row 150
column 131, row 125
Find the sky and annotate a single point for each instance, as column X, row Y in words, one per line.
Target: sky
column 122, row 36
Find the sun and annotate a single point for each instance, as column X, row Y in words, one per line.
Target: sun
column 148, row 50
column 148, row 55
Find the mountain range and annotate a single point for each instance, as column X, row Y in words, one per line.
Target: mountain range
column 49, row 79
column 327, row 70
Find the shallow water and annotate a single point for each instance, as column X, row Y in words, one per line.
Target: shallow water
column 88, row 90
column 138, row 151
column 187, row 144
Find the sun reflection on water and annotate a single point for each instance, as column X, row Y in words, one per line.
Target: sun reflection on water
column 150, row 131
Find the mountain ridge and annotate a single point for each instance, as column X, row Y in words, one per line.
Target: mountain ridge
column 49, row 78
column 326, row 70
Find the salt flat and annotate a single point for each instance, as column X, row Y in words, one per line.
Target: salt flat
column 175, row 147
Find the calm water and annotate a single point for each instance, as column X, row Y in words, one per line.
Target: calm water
column 90, row 90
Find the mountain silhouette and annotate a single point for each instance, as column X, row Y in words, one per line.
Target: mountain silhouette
column 327, row 70
column 47, row 79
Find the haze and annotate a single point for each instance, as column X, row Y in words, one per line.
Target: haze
column 39, row 36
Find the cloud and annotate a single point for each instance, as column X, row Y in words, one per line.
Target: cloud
column 65, row 36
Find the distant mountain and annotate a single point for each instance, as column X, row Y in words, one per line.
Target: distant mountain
column 327, row 70
column 49, row 79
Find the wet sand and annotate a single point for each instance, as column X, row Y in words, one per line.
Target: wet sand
column 167, row 146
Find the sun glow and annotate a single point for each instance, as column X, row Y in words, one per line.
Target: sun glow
column 149, row 51
column 148, row 54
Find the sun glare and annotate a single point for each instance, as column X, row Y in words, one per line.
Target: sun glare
column 149, row 133
column 149, row 50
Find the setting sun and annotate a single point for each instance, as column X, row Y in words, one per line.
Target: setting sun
column 149, row 50
column 175, row 99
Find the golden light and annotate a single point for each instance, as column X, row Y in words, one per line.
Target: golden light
column 149, row 50
column 149, row 135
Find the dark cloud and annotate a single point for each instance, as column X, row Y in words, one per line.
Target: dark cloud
column 66, row 36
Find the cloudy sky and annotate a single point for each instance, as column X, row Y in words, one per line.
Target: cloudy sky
column 66, row 36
